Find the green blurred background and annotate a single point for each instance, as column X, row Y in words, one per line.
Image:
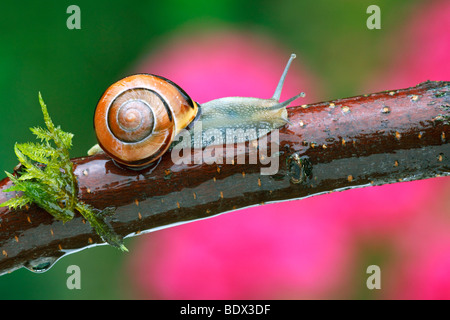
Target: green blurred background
column 73, row 67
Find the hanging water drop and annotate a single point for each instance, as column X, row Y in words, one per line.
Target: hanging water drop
column 40, row 265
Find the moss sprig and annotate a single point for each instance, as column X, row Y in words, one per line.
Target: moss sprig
column 46, row 178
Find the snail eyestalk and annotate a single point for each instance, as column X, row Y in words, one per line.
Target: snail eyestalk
column 287, row 102
column 277, row 94
column 46, row 178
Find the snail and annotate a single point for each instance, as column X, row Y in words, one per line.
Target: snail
column 139, row 117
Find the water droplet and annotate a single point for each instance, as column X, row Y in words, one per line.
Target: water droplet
column 300, row 168
column 386, row 109
column 41, row 264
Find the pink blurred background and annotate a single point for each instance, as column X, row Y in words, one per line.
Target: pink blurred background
column 318, row 247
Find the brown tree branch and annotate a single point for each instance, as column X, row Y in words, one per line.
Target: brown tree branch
column 375, row 139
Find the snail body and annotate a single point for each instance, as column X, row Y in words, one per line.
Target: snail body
column 139, row 117
column 252, row 117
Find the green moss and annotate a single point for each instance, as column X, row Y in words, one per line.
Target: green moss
column 46, row 178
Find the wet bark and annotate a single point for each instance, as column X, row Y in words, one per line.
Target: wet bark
column 375, row 139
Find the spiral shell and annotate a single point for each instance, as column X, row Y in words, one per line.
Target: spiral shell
column 138, row 117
